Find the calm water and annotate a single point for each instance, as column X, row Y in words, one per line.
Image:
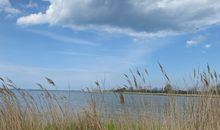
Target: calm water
column 109, row 102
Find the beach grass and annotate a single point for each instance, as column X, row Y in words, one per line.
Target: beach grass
column 19, row 110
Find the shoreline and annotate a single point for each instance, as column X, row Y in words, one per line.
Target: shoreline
column 170, row 94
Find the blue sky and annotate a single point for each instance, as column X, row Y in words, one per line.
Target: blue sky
column 76, row 42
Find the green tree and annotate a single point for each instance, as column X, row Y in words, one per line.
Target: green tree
column 168, row 88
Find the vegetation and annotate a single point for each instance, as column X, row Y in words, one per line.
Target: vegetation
column 19, row 110
column 168, row 88
column 137, row 83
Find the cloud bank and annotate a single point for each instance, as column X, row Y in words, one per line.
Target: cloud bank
column 133, row 17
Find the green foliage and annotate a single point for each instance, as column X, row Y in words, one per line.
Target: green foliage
column 168, row 88
column 110, row 126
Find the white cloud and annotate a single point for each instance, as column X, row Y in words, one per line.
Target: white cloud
column 133, row 17
column 195, row 41
column 5, row 6
column 11, row 10
column 208, row 46
column 4, row 3
column 31, row 4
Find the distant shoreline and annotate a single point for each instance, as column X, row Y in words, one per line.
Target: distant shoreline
column 170, row 94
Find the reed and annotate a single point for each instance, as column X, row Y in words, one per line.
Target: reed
column 19, row 110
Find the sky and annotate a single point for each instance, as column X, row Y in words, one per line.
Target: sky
column 78, row 42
